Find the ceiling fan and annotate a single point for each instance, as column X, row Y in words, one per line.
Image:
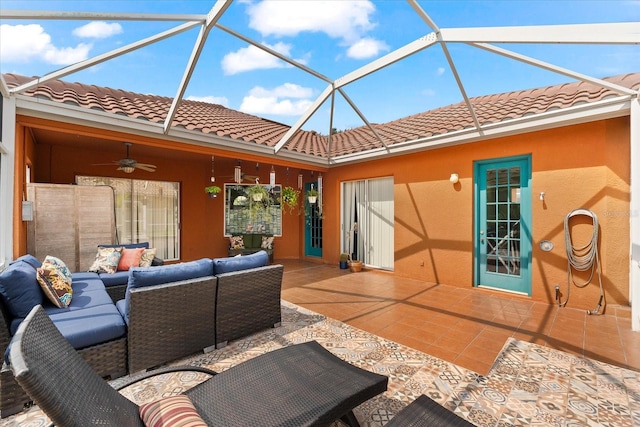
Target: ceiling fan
column 128, row 165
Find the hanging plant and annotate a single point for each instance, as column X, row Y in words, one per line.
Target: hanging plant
column 212, row 191
column 290, row 198
column 312, row 195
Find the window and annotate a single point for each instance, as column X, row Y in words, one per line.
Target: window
column 146, row 211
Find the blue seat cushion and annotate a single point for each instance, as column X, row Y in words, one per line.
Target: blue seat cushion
column 81, row 301
column 83, row 275
column 90, row 326
column 140, row 277
column 121, row 306
column 20, row 289
column 115, row 279
column 83, row 283
column 237, row 263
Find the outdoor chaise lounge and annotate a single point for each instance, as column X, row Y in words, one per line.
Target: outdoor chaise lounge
column 298, row 385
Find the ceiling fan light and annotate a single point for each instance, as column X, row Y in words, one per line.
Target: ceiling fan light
column 127, row 169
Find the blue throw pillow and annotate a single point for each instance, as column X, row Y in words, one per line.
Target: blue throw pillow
column 237, row 263
column 140, row 277
column 20, row 289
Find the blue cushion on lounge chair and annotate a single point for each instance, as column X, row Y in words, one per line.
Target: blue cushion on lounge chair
column 20, row 289
column 115, row 279
column 127, row 245
column 140, row 277
column 237, row 263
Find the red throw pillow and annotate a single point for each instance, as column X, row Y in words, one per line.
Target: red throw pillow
column 130, row 258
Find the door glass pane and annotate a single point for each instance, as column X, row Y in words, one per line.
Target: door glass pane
column 503, row 221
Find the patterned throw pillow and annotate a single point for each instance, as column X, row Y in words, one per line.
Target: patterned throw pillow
column 106, row 260
column 147, row 257
column 55, row 280
column 171, row 411
column 130, row 258
column 267, row 242
column 236, row 242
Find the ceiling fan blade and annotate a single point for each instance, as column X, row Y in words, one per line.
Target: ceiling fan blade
column 144, row 167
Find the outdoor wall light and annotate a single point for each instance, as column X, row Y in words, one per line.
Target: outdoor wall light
column 454, row 178
column 541, row 197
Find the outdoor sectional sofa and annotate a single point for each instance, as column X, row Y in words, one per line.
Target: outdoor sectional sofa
column 168, row 312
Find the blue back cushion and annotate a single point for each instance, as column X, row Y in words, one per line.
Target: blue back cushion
column 140, row 277
column 20, row 289
column 29, row 259
column 237, row 263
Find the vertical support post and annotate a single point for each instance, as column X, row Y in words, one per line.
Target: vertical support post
column 634, row 216
column 11, row 203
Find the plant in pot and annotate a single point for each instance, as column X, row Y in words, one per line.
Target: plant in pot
column 212, row 191
column 344, row 259
column 290, row 198
column 259, row 200
column 312, row 195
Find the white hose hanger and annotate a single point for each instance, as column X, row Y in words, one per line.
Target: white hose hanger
column 583, row 258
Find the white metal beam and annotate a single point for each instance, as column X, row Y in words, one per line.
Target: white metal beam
column 7, row 177
column 274, row 53
column 395, row 56
column 103, row 57
column 363, row 118
column 634, row 216
column 424, row 16
column 4, row 90
column 303, row 119
column 616, row 33
column 99, row 16
column 554, row 68
column 216, row 12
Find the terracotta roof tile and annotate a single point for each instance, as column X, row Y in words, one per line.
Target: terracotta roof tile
column 223, row 122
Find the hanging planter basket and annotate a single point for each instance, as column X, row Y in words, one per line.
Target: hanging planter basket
column 312, row 199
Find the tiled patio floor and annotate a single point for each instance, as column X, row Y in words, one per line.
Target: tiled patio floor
column 467, row 327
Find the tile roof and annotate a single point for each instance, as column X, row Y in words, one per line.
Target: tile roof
column 221, row 121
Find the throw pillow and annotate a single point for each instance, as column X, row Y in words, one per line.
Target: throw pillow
column 106, row 260
column 129, row 258
column 267, row 242
column 55, row 280
column 175, row 411
column 236, row 242
column 147, row 257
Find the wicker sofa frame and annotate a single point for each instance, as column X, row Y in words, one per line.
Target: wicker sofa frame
column 168, row 321
column 108, row 359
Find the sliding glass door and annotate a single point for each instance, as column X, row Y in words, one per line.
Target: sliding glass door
column 367, row 221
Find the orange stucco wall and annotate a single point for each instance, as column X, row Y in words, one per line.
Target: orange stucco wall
column 580, row 166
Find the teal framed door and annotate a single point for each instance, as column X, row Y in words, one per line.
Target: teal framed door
column 312, row 225
column 503, row 224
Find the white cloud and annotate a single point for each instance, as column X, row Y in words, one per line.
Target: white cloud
column 366, row 48
column 251, row 58
column 25, row 43
column 346, row 20
column 98, row 30
column 440, row 71
column 222, row 100
column 428, row 92
column 286, row 100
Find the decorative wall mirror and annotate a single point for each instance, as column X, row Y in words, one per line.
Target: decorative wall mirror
column 252, row 208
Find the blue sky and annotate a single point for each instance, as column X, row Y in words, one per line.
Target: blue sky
column 332, row 37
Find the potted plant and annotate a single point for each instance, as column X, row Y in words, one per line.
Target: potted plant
column 290, row 198
column 259, row 199
column 212, row 191
column 344, row 258
column 257, row 192
column 312, row 195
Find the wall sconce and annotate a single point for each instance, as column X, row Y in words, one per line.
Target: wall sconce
column 454, row 178
column 541, row 197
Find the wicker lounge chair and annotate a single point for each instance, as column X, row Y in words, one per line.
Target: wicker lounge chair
column 298, row 385
column 425, row 412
